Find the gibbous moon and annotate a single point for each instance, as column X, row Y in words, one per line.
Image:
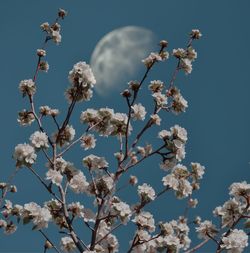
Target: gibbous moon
column 117, row 57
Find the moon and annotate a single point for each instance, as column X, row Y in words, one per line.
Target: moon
column 117, row 57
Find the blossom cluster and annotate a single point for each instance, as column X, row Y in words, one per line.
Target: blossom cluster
column 99, row 178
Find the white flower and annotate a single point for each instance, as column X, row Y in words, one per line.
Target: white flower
column 146, row 192
column 55, row 176
column 139, row 112
column 179, row 53
column 230, row 211
column 164, row 134
column 191, row 54
column 178, row 182
column 39, row 140
column 156, row 86
column 44, row 66
column 41, row 52
column 192, row 202
column 95, row 162
column 39, row 215
column 155, row 57
column 179, row 104
column 160, row 99
column 25, row 118
column 122, row 209
column 179, row 132
column 156, row 119
column 44, row 26
column 78, row 183
column 235, row 242
column 88, row 141
column 145, row 220
column 195, row 34
column 206, row 228
column 66, row 136
column 27, row 87
column 103, row 185
column 197, row 170
column 82, row 74
column 240, row 190
column 67, row 244
column 76, row 209
column 56, row 36
column 186, row 65
column 24, row 155
column 60, row 164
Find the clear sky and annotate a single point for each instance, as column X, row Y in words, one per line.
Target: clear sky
column 217, row 120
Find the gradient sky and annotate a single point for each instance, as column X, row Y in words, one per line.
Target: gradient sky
column 218, row 89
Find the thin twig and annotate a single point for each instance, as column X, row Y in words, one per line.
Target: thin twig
column 46, row 237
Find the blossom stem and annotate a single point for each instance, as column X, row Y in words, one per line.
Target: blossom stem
column 130, row 104
column 46, row 237
column 198, row 246
column 44, row 184
column 70, row 227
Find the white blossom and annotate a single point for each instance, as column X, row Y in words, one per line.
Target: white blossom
column 145, row 220
column 67, row 244
column 94, row 162
column 82, row 74
column 39, row 140
column 27, row 87
column 161, row 99
column 155, row 118
column 230, row 210
column 25, row 155
column 178, row 182
column 164, row 134
column 55, row 176
column 88, row 141
column 39, row 215
column 78, row 183
column 179, row 104
column 76, row 209
column 156, row 86
column 195, row 34
column 179, row 132
column 146, row 192
column 66, row 136
column 44, row 66
column 138, row 112
column 186, row 65
column 197, row 170
column 206, row 228
column 41, row 52
column 235, row 242
column 121, row 209
column 25, row 118
column 240, row 190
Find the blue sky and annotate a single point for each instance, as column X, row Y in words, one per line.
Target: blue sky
column 217, row 119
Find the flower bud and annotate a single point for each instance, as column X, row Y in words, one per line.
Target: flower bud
column 44, row 66
column 134, row 85
column 163, row 43
column 2, row 185
column 48, row 245
column 13, row 189
column 126, row 93
column 133, row 180
column 41, row 52
column 62, row 13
